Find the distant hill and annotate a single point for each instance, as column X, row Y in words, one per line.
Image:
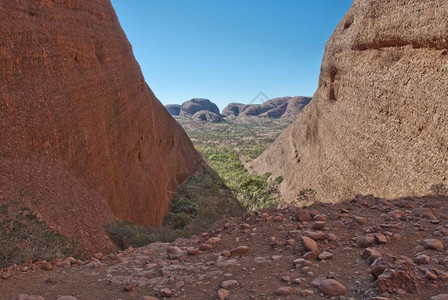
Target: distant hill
column 282, row 107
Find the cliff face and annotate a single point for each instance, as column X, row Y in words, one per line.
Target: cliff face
column 81, row 131
column 378, row 121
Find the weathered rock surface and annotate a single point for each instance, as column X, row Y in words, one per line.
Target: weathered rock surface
column 83, row 137
column 190, row 107
column 173, row 109
column 377, row 123
column 234, row 109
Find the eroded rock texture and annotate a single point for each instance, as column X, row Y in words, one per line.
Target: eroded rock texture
column 83, row 138
column 378, row 122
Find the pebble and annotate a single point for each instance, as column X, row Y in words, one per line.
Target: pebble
column 332, row 287
column 192, row 251
column 424, row 212
column 315, row 235
column 365, row 241
column 47, row 266
column 370, row 255
column 165, row 292
column 174, row 250
column 205, row 247
column 22, row 297
column 223, row 294
column 433, row 244
column 66, row 298
column 148, row 298
column 303, row 216
column 306, row 293
column 380, row 238
column 440, row 297
column 422, row 259
column 284, row 291
column 309, row 243
column 326, row 255
column 318, row 225
column 128, row 287
column 240, row 250
column 228, row 283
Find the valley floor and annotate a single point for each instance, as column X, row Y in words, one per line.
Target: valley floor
column 264, row 256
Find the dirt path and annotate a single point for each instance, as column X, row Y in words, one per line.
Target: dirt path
column 276, row 264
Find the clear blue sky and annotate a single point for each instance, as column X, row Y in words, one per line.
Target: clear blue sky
column 229, row 50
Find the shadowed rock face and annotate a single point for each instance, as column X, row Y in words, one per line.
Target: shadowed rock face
column 378, row 121
column 82, row 133
column 189, row 108
column 173, row 109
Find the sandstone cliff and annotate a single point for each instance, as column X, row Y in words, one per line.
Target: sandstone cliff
column 378, row 122
column 83, row 138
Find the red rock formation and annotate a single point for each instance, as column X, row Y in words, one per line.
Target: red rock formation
column 81, row 132
column 378, row 121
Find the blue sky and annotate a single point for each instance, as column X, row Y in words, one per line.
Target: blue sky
column 229, row 50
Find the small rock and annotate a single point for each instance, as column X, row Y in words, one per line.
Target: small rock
column 433, row 244
column 365, row 241
column 166, row 292
column 6, row 275
column 284, row 291
column 303, row 216
column 22, row 297
column 128, row 287
column 174, row 250
column 370, row 255
column 223, row 294
column 318, row 225
column 424, row 212
column 205, row 247
column 326, row 255
column 47, row 266
column 66, row 298
column 98, row 255
column 278, row 219
column 380, row 238
column 440, row 297
column 311, row 255
column 244, row 226
column 309, row 243
column 332, row 288
column 315, row 235
column 422, row 259
column 332, row 237
column 192, row 251
column 240, row 250
column 286, row 279
column 306, row 293
column 228, row 283
column 430, row 275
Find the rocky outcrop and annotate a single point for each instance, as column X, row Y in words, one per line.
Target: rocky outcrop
column 83, row 139
column 234, row 109
column 207, row 116
column 378, row 121
column 283, row 107
column 295, row 106
column 189, row 108
column 173, row 109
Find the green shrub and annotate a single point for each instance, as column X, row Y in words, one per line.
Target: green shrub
column 24, row 237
